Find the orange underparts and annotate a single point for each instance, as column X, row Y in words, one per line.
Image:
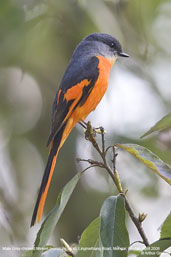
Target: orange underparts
column 97, row 92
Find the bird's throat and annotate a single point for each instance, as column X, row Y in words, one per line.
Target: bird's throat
column 112, row 60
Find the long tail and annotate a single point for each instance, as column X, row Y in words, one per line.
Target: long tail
column 55, row 147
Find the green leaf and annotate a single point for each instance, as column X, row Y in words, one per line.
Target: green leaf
column 166, row 228
column 53, row 217
column 156, row 248
column 89, row 243
column 164, row 123
column 150, row 160
column 27, row 254
column 113, row 231
column 133, row 252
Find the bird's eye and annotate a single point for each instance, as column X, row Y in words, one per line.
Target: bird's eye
column 112, row 44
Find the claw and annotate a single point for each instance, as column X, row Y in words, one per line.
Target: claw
column 100, row 130
column 90, row 130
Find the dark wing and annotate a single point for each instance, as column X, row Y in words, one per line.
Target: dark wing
column 74, row 76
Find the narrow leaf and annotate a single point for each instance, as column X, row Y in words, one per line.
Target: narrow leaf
column 53, row 217
column 113, row 231
column 164, row 123
column 133, row 252
column 156, row 248
column 27, row 254
column 89, row 243
column 166, row 228
column 150, row 160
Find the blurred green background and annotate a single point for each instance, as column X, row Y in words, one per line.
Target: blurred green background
column 37, row 39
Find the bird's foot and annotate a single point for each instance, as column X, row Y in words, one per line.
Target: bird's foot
column 90, row 131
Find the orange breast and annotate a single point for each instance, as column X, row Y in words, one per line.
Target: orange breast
column 98, row 91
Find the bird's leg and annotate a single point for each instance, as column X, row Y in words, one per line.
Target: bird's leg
column 89, row 130
column 100, row 130
column 83, row 124
column 96, row 130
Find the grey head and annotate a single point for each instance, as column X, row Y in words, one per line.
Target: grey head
column 106, row 44
column 81, row 63
column 99, row 44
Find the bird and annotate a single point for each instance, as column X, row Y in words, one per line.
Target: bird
column 82, row 87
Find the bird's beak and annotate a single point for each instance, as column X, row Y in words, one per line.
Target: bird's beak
column 123, row 54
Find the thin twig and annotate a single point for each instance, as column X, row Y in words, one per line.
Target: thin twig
column 114, row 159
column 89, row 167
column 108, row 148
column 92, row 162
column 114, row 175
column 103, row 140
column 128, row 208
column 136, row 222
column 135, row 242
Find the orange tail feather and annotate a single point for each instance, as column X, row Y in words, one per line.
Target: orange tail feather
column 55, row 147
column 44, row 194
column 56, row 144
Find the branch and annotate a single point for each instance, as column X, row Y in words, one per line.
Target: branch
column 90, row 135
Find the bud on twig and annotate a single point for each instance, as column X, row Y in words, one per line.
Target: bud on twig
column 142, row 217
column 68, row 249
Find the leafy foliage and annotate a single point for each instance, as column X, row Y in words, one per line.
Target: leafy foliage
column 107, row 235
column 37, row 40
column 149, row 159
column 53, row 217
column 89, row 242
column 164, row 123
column 156, row 248
column 113, row 231
column 166, row 228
